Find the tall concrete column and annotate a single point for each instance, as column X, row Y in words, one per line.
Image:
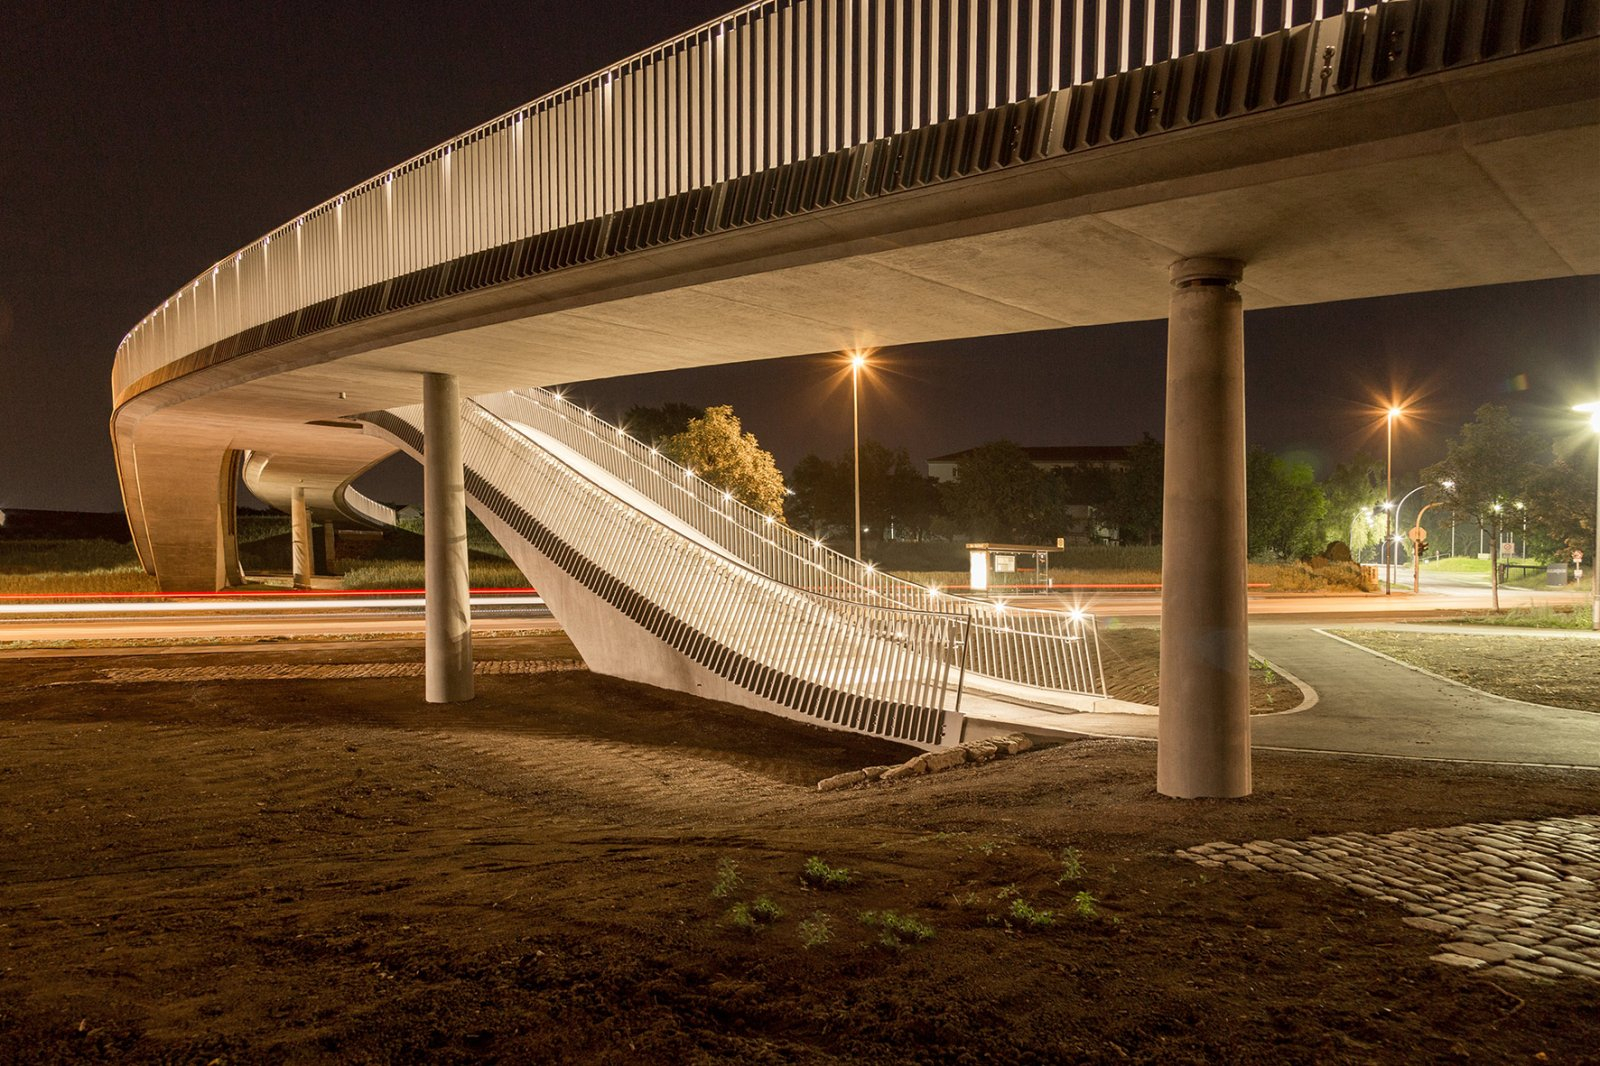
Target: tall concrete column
column 1204, row 726
column 444, row 528
column 300, row 540
column 330, row 547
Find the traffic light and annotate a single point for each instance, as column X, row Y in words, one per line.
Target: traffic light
column 1422, row 548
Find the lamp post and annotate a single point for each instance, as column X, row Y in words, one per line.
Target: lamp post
column 1388, row 494
column 1397, row 538
column 1519, row 505
column 857, row 361
column 1449, row 486
column 1593, row 410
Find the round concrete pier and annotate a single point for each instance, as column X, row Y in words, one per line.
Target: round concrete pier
column 1204, row 728
column 448, row 642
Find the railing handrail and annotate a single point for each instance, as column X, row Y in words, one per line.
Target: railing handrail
column 1041, row 648
column 615, row 439
column 756, row 95
column 723, row 560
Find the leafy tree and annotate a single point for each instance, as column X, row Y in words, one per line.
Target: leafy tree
column 655, row 424
column 1561, row 504
column 892, row 491
column 998, row 494
column 1136, row 501
column 1284, row 507
column 1352, row 491
column 717, row 449
column 1490, row 465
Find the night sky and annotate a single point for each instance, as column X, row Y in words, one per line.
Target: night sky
column 141, row 143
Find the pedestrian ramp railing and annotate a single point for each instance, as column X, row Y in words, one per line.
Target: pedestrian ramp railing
column 1046, row 650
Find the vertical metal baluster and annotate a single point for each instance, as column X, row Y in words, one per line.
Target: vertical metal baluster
column 1125, row 35
column 880, row 76
column 994, row 51
column 1100, row 49
column 1033, row 49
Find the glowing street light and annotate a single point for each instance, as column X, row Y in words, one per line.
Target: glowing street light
column 857, row 361
column 1593, row 410
column 1388, row 494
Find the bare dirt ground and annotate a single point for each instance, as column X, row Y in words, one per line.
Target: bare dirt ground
column 1556, row 671
column 1131, row 659
column 332, row 870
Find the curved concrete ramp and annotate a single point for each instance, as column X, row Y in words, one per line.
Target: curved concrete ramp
column 662, row 579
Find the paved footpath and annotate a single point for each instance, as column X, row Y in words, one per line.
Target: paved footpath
column 1369, row 705
column 1511, row 899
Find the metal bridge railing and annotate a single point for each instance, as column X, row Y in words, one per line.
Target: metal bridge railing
column 883, row 669
column 1054, row 650
column 770, row 84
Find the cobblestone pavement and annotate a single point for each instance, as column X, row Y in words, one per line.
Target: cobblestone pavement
column 318, row 671
column 1516, row 899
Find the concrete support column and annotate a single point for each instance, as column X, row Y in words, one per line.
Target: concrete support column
column 330, row 547
column 1204, row 727
column 444, row 528
column 300, row 540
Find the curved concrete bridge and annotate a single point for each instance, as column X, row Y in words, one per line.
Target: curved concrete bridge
column 816, row 175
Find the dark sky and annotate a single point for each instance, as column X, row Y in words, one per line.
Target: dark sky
column 141, row 143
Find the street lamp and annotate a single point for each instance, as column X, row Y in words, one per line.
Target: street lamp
column 857, row 361
column 1449, row 486
column 1523, row 508
column 1593, row 410
column 1388, row 494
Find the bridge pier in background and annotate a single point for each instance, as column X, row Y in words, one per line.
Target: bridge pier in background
column 1203, row 731
column 304, row 561
column 448, row 643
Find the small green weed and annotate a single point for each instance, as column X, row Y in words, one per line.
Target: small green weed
column 1030, row 916
column 1083, row 906
column 896, row 931
column 1007, row 891
column 819, row 874
column 1071, row 866
column 816, row 930
column 727, row 880
column 750, row 917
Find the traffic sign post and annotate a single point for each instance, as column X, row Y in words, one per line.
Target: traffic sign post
column 1419, row 544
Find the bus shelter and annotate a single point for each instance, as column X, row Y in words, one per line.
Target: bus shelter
column 1018, row 567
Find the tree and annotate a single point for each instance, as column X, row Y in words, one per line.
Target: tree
column 1352, row 491
column 655, row 424
column 1136, row 501
column 1284, row 507
column 717, row 449
column 1489, row 465
column 893, row 492
column 998, row 494
column 1561, row 502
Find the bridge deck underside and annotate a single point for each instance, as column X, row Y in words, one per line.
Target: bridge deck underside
column 1478, row 176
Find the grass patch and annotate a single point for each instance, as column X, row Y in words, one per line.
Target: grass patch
column 816, row 930
column 1559, row 616
column 727, row 880
column 819, row 874
column 1278, row 577
column 1555, row 671
column 754, row 916
column 1025, row 914
column 41, row 567
column 896, row 931
column 408, row 574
